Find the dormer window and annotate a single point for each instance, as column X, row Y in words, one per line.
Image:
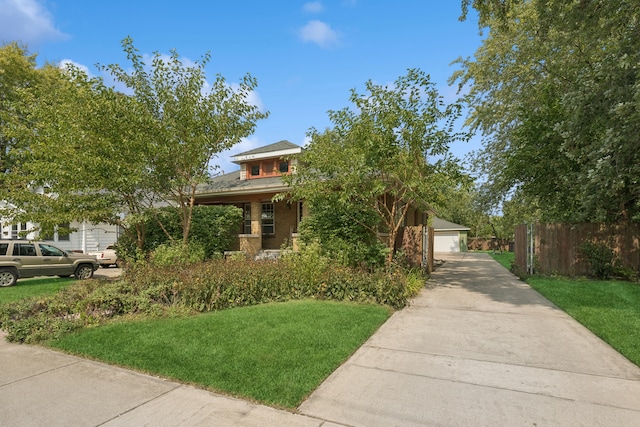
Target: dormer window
column 267, row 168
column 270, row 161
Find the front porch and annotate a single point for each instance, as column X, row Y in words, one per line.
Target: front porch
column 266, row 225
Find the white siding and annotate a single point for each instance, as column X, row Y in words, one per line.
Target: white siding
column 88, row 238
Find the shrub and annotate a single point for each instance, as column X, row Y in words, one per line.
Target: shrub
column 150, row 289
column 167, row 255
column 600, row 258
column 213, row 227
column 345, row 240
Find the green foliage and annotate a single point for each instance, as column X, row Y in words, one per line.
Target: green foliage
column 18, row 73
column 600, row 258
column 152, row 290
column 344, row 233
column 177, row 254
column 72, row 134
column 190, row 120
column 555, row 90
column 374, row 162
column 214, row 229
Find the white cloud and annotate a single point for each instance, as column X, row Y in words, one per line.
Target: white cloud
column 27, row 21
column 313, row 7
column 253, row 98
column 319, row 33
column 65, row 63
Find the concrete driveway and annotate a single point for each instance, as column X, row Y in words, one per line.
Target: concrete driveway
column 484, row 349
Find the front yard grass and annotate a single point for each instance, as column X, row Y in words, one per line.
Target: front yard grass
column 274, row 353
column 26, row 288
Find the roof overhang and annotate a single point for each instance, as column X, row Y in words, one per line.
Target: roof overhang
column 244, row 191
column 271, row 154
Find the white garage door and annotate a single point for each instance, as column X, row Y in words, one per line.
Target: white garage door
column 446, row 241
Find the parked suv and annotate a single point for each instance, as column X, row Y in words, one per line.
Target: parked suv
column 21, row 259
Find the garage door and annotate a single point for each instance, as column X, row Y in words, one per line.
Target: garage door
column 446, row 241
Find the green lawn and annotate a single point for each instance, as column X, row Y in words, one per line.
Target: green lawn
column 26, row 288
column 274, row 353
column 504, row 258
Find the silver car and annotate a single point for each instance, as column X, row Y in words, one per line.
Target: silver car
column 21, row 259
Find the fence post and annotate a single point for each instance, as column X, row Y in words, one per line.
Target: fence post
column 530, row 247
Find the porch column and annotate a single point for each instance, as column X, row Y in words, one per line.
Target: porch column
column 256, row 218
column 251, row 244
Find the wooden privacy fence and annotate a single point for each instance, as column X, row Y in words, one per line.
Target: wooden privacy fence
column 555, row 248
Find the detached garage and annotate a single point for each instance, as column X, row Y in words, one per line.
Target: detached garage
column 449, row 237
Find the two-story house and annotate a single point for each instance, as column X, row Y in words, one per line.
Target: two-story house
column 267, row 225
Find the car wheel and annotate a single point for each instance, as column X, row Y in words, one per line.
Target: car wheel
column 8, row 277
column 84, row 272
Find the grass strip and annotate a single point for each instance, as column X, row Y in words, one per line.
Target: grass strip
column 609, row 308
column 273, row 353
column 26, row 288
column 504, row 258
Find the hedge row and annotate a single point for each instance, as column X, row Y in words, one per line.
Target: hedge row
column 215, row 285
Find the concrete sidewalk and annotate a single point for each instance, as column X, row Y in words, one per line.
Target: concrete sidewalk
column 480, row 348
column 484, row 349
column 39, row 387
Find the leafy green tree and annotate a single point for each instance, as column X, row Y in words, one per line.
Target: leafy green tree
column 555, row 91
column 190, row 123
column 98, row 153
column 18, row 73
column 84, row 155
column 386, row 154
column 344, row 231
column 214, row 229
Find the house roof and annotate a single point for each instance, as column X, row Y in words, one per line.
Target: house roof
column 442, row 225
column 230, row 184
column 277, row 149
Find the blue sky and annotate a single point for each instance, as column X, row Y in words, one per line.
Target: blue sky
column 306, row 55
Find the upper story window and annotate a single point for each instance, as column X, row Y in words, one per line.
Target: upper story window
column 266, row 168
